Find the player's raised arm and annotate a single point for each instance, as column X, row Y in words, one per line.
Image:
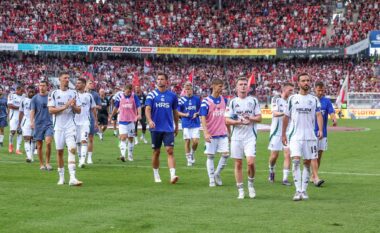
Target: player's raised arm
column 75, row 104
column 52, row 105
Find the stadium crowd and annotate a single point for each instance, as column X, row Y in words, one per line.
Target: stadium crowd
column 360, row 17
column 197, row 23
column 114, row 72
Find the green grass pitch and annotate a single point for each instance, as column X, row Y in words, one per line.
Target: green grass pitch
column 122, row 197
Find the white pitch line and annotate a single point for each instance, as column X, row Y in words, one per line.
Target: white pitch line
column 128, row 164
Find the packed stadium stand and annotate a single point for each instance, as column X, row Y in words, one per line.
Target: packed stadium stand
column 198, row 23
column 115, row 71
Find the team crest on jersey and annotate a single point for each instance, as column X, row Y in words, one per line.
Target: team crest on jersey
column 310, row 102
column 237, row 105
column 250, row 105
column 296, row 102
column 163, row 98
column 58, row 97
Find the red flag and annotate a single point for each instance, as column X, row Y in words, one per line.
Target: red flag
column 252, row 79
column 190, row 76
column 147, row 65
column 342, row 96
column 135, row 80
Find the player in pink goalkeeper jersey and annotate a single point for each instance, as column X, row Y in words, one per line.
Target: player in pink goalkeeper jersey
column 212, row 114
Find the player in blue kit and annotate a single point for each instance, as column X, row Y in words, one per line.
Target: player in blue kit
column 188, row 110
column 162, row 116
column 3, row 115
column 93, row 125
column 41, row 119
column 326, row 110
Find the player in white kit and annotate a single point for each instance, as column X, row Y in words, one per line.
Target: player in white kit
column 302, row 110
column 82, row 120
column 63, row 104
column 14, row 102
column 25, row 126
column 279, row 104
column 243, row 115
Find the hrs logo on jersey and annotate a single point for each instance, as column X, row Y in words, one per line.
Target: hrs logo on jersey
column 189, row 108
column 218, row 113
column 162, row 105
column 127, row 105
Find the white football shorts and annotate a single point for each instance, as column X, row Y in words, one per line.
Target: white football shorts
column 190, row 133
column 65, row 137
column 239, row 148
column 306, row 149
column 217, row 145
column 129, row 130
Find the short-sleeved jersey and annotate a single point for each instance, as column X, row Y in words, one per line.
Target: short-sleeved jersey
column 162, row 106
column 190, row 105
column 301, row 110
column 142, row 98
column 42, row 117
column 278, row 105
column 25, row 108
column 3, row 107
column 117, row 105
column 88, row 103
column 59, row 98
column 105, row 103
column 96, row 98
column 215, row 110
column 117, row 96
column 204, row 106
column 326, row 109
column 239, row 108
column 15, row 100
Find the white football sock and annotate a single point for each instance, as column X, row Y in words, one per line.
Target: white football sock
column 271, row 168
column 285, row 174
column 19, row 141
column 130, row 148
column 89, row 155
column 123, row 148
column 240, row 186
column 1, row 138
column 11, row 136
column 222, row 163
column 27, row 149
column 32, row 148
column 71, row 167
column 210, row 166
column 251, row 181
column 155, row 172
column 297, row 175
column 61, row 173
column 188, row 156
column 305, row 178
column 172, row 172
column 83, row 151
column 79, row 149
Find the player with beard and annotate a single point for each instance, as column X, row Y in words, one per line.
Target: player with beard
column 302, row 110
column 63, row 104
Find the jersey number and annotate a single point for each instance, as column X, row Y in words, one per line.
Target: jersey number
column 313, row 149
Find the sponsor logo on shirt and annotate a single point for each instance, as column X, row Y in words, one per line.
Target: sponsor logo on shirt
column 162, row 105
